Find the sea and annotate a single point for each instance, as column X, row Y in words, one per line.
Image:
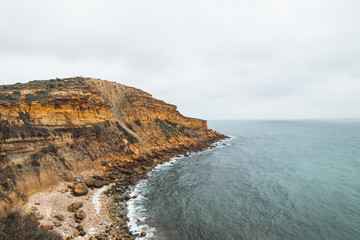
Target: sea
column 270, row 180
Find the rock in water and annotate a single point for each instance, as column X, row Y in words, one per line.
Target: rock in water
column 80, row 189
column 142, row 234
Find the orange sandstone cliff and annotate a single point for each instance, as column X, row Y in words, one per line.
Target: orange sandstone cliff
column 52, row 130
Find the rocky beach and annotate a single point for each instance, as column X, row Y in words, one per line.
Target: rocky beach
column 90, row 207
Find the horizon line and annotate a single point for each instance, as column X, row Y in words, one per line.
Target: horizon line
column 286, row 119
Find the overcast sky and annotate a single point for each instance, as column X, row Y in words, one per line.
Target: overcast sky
column 258, row 59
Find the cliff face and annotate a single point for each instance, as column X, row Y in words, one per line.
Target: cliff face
column 52, row 130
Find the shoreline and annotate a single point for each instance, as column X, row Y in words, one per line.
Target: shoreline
column 106, row 208
column 134, row 219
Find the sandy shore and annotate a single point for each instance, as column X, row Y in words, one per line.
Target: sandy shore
column 55, row 201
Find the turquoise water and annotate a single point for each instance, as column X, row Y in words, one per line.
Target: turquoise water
column 274, row 180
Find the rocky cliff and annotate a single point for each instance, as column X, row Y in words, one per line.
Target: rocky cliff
column 52, row 130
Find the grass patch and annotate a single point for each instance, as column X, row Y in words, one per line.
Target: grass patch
column 137, row 122
column 168, row 128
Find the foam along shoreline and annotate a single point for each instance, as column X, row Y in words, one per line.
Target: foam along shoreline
column 102, row 210
column 135, row 210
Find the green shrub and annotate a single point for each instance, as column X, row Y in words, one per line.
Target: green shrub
column 20, row 226
column 30, row 97
column 9, row 98
column 57, row 105
column 137, row 122
column 41, row 92
column 168, row 128
column 34, row 161
column 51, row 148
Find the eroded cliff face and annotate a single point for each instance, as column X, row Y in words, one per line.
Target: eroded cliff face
column 52, row 130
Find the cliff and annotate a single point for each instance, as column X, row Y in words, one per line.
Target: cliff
column 52, row 130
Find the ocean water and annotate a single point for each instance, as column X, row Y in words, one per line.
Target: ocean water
column 272, row 180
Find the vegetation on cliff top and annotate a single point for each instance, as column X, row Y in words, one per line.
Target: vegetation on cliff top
column 51, row 84
column 43, row 89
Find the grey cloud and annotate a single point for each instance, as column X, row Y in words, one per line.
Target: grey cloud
column 213, row 59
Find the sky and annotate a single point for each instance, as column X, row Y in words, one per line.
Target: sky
column 257, row 59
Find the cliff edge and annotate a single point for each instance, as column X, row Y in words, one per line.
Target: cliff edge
column 52, row 130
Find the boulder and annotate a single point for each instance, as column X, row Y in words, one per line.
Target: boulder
column 80, row 214
column 59, row 217
column 98, row 183
column 142, row 234
column 80, row 228
column 75, row 206
column 80, row 189
column 90, row 183
column 98, row 177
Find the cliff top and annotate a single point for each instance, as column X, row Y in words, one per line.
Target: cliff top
column 58, row 88
column 40, row 89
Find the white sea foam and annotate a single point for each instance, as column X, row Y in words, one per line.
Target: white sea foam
column 96, row 199
column 136, row 211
